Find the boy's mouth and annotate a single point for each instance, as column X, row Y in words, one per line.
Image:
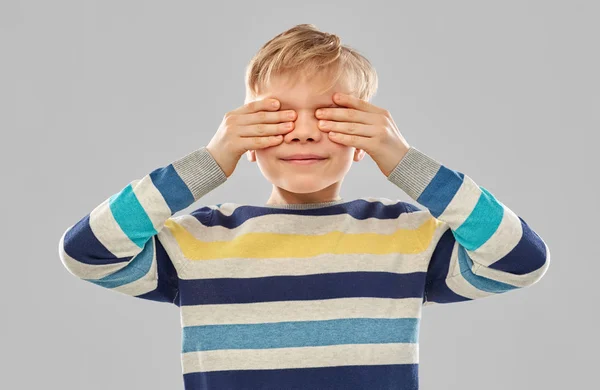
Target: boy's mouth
column 300, row 159
column 303, row 156
column 306, row 161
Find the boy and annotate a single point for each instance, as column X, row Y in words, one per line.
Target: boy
column 308, row 291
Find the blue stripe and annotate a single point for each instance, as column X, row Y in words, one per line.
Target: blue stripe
column 82, row 244
column 441, row 190
column 527, row 256
column 167, row 288
column 172, row 187
column 358, row 209
column 465, row 265
column 439, row 264
column 303, row 287
column 436, row 289
column 482, row 223
column 131, row 216
column 136, row 269
column 300, row 334
column 351, row 377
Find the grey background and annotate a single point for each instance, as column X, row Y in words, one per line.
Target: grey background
column 94, row 94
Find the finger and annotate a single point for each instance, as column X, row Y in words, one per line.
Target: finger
column 266, row 117
column 259, row 111
column 347, row 128
column 347, row 115
column 265, row 129
column 256, row 106
column 254, row 143
column 357, row 141
column 347, row 100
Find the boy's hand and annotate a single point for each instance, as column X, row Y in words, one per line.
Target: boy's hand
column 249, row 127
column 364, row 126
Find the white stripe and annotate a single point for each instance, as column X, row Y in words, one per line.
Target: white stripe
column 152, row 201
column 300, row 357
column 310, row 310
column 109, row 233
column 319, row 264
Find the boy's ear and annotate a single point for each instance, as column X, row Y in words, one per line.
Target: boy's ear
column 251, row 155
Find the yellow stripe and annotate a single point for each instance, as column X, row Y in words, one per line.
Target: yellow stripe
column 275, row 245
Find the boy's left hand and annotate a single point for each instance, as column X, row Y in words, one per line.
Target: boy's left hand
column 364, row 126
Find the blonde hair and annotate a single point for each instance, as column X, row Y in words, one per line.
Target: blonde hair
column 305, row 51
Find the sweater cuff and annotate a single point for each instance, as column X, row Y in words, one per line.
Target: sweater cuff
column 200, row 172
column 414, row 172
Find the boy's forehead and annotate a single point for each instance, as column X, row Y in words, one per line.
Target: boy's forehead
column 302, row 93
column 288, row 100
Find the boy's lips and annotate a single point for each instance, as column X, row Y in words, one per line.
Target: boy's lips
column 305, row 161
column 303, row 156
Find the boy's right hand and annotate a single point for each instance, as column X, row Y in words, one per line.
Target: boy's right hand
column 249, row 127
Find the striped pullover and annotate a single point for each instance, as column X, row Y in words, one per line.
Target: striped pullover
column 303, row 296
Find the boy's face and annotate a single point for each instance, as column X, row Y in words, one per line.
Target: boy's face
column 312, row 183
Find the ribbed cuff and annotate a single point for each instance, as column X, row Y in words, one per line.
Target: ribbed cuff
column 200, row 172
column 414, row 172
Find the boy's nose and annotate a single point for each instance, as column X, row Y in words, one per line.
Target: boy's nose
column 305, row 127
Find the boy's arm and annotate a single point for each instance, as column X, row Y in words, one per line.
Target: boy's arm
column 116, row 246
column 482, row 247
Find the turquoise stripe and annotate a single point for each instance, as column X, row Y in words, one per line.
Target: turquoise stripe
column 137, row 268
column 482, row 223
column 300, row 334
column 465, row 265
column 131, row 216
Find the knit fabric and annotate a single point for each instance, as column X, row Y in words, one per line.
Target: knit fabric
column 303, row 296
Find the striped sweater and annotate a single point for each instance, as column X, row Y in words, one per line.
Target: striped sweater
column 303, row 296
